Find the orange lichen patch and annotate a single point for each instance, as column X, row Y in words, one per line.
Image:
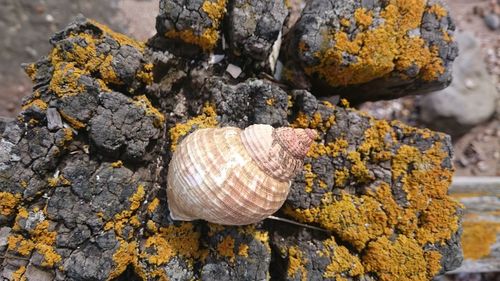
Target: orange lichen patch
column 225, row 248
column 358, row 168
column 446, row 36
column 151, row 225
column 379, row 50
column 309, row 177
column 433, row 259
column 332, row 149
column 146, row 74
column 344, row 22
column 402, row 259
column 438, row 222
column 125, row 255
column 478, row 237
column 72, row 121
column 121, row 38
column 309, row 215
column 342, row 261
column 378, row 140
column 363, row 17
column 243, row 250
column 316, row 121
column 207, row 119
column 117, row 164
column 17, row 243
column 341, row 177
column 83, row 58
column 8, row 203
column 153, row 205
column 145, row 103
column 37, row 103
column 296, row 263
column 41, row 240
column 170, row 242
column 435, row 66
column 125, row 217
column 355, row 219
column 31, row 71
column 59, row 181
column 215, row 10
column 68, row 137
column 438, row 10
column 66, row 80
column 18, row 275
column 270, row 102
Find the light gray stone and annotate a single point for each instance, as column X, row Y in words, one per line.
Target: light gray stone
column 471, row 98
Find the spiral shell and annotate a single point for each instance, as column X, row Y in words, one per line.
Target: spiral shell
column 234, row 177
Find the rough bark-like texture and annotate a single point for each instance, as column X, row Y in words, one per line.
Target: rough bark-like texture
column 360, row 50
column 369, row 50
column 83, row 169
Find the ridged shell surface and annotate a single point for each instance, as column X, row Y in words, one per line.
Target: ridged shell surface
column 234, row 177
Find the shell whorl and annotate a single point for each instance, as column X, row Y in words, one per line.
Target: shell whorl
column 280, row 152
column 234, row 177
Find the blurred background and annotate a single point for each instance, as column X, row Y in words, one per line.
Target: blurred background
column 468, row 110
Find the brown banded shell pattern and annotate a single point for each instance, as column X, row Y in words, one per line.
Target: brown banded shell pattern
column 233, row 177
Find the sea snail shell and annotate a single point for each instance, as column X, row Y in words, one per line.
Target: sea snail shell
column 231, row 176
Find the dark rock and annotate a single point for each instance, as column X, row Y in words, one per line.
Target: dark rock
column 87, row 200
column 356, row 49
column 254, row 27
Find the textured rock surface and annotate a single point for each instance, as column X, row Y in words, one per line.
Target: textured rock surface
column 86, row 200
column 369, row 50
column 471, row 99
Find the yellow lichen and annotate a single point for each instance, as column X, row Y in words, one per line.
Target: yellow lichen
column 309, row 177
column 243, row 250
column 478, row 238
column 66, row 80
column 41, row 240
column 296, row 263
column 355, row 219
column 146, row 74
column 72, row 121
column 8, row 203
column 170, row 242
column 225, row 248
column 363, row 17
column 438, row 10
column 153, row 205
column 117, row 164
column 402, row 259
column 379, row 50
column 342, row 261
column 270, row 101
column 36, row 102
column 125, row 255
column 59, row 181
column 126, row 217
column 144, row 103
column 207, row 119
column 215, row 10
column 358, row 167
column 18, row 275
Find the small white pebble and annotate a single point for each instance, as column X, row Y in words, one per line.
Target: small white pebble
column 233, row 70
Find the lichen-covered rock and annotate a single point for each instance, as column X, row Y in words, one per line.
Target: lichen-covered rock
column 368, row 50
column 195, row 22
column 83, row 174
column 255, row 26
